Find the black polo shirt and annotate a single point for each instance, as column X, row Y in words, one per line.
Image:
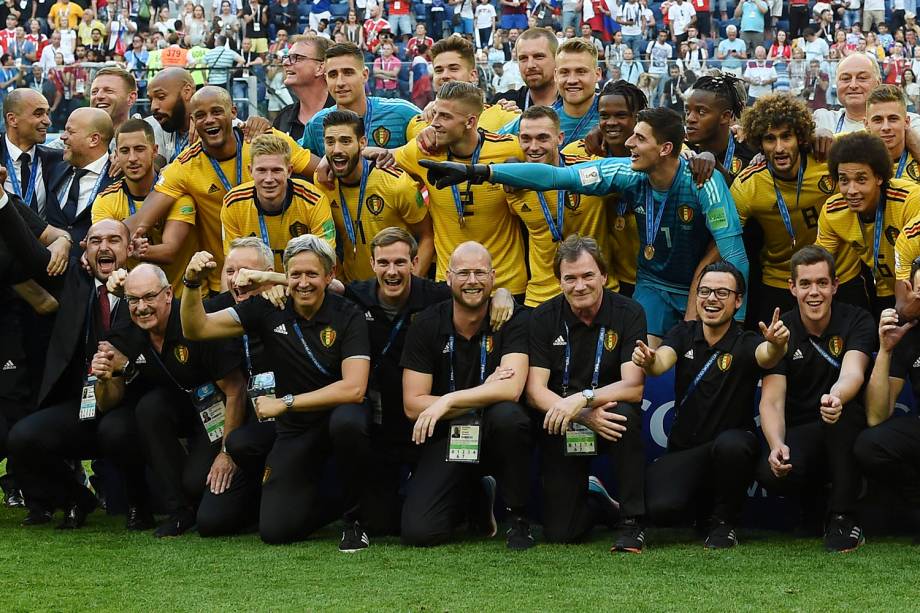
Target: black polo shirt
column 188, row 364
column 427, row 348
column 808, row 374
column 905, row 361
column 337, row 331
column 741, row 158
column 724, row 397
column 256, row 361
column 624, row 323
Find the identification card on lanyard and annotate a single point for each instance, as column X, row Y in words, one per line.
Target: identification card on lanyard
column 88, row 399
column 209, row 402
column 261, row 385
column 464, row 440
column 579, row 439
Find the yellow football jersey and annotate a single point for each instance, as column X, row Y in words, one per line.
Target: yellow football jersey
column 305, row 211
column 391, row 198
column 493, row 118
column 113, row 203
column 907, row 249
column 192, row 174
column 487, row 218
column 851, row 241
column 755, row 198
column 911, row 170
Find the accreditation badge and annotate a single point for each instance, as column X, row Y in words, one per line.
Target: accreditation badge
column 262, row 384
column 209, row 402
column 580, row 440
column 88, row 399
column 463, row 441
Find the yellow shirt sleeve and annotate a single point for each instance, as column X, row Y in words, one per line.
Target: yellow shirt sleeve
column 104, row 208
column 322, row 223
column 408, row 202
column 230, row 224
column 907, row 249
column 182, row 210
column 172, row 181
column 740, row 196
column 407, row 158
column 827, row 238
column 415, row 126
column 300, row 157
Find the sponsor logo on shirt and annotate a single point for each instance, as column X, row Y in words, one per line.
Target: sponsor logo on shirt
column 589, row 176
column 213, row 189
column 140, row 360
column 9, row 365
column 559, row 342
column 798, row 355
column 280, row 329
column 689, row 355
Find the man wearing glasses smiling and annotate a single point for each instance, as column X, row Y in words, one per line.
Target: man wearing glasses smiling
column 304, row 77
column 712, row 448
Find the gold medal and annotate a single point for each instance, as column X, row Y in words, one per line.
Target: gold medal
column 649, row 252
column 620, row 223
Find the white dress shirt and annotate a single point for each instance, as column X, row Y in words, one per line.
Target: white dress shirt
column 15, row 152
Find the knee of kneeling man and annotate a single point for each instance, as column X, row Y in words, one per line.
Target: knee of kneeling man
column 421, row 538
column 348, row 420
column 276, row 535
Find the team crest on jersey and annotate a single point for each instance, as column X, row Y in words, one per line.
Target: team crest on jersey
column 835, row 344
column 489, row 344
column 736, row 166
column 685, row 213
column 892, row 233
column 913, row 170
column 572, row 201
column 381, row 136
column 327, row 336
column 826, row 184
column 374, row 204
column 298, row 229
column 724, row 362
column 610, row 340
column 181, row 353
column 858, row 247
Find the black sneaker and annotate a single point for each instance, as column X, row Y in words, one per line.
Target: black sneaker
column 518, row 535
column 354, row 538
column 36, row 517
column 14, row 499
column 721, row 536
column 630, row 536
column 178, row 524
column 610, row 508
column 842, row 534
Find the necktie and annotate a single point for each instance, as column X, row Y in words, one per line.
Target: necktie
column 25, row 173
column 73, row 195
column 105, row 309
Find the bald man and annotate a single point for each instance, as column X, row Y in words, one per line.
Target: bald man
column 170, row 93
column 86, row 139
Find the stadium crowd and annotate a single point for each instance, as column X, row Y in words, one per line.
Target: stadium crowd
column 242, row 244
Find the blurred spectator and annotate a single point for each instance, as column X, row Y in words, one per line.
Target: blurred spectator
column 588, row 34
column 255, row 28
column 280, row 44
column 64, row 15
column 398, row 16
column 373, row 27
column 695, row 56
column 386, row 72
column 196, row 24
column 780, row 49
column 354, row 31
column 420, row 73
column 732, row 51
column 88, row 23
column 873, row 13
column 816, row 85
column 485, row 24
column 752, row 14
column 674, row 88
column 630, row 68
column 911, row 90
column 421, row 38
column 759, row 75
column 219, row 60
column 814, row 47
column 514, row 14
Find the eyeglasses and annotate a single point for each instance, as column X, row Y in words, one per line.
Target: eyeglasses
column 479, row 275
column 146, row 298
column 294, row 58
column 721, row 292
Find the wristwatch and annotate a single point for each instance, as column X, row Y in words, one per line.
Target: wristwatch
column 589, row 396
column 288, row 400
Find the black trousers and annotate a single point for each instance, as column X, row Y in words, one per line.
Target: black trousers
column 292, row 506
column 436, row 501
column 720, row 470
column 236, row 510
column 798, row 20
column 890, row 452
column 40, row 444
column 567, row 515
column 164, row 417
column 819, row 453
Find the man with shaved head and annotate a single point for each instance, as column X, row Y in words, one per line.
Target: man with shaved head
column 461, row 385
column 170, row 92
column 209, row 169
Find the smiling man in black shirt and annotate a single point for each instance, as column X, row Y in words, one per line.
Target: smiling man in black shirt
column 461, row 385
column 810, row 406
column 712, row 448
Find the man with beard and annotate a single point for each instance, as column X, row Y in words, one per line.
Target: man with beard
column 536, row 56
column 209, row 169
column 366, row 199
column 180, row 389
column 274, row 206
column 303, row 76
column 712, row 448
column 465, row 411
column 71, row 425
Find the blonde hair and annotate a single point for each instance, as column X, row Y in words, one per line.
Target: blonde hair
column 269, row 144
column 577, row 45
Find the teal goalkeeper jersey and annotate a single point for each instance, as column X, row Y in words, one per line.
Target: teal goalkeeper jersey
column 573, row 128
column 385, row 124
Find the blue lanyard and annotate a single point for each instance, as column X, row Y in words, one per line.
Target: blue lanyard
column 62, row 195
column 651, row 230
column 699, row 377
column 824, row 354
column 555, row 227
column 368, row 117
column 346, row 214
column 156, row 356
column 393, row 333
column 901, row 164
column 482, row 361
column 247, row 354
column 879, row 222
column 843, row 116
column 14, row 178
column 568, row 358
column 455, row 190
column 132, row 207
column 585, row 120
column 729, row 153
column 307, row 350
column 263, row 230
column 781, row 202
column 180, row 144
column 239, row 165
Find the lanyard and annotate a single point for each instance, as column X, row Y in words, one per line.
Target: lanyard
column 156, row 356
column 62, row 196
column 346, row 214
column 307, row 350
column 132, row 207
column 568, row 358
column 824, row 354
column 455, row 190
column 877, row 238
column 651, row 230
column 729, row 153
column 843, row 116
column 14, row 178
column 582, row 123
column 239, row 165
column 901, row 164
column 781, row 202
column 368, row 117
column 555, row 227
column 482, row 361
column 180, row 144
column 699, row 377
column 247, row 354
